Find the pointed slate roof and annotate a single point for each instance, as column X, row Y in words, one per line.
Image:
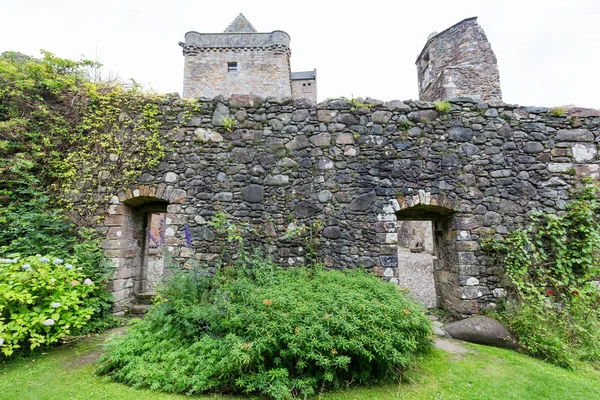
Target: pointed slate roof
column 240, row 25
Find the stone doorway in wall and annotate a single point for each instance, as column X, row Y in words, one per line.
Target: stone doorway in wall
column 423, row 251
column 147, row 228
column 416, row 257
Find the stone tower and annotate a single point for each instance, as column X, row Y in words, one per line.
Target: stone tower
column 458, row 62
column 239, row 61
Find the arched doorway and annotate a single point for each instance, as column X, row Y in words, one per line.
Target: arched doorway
column 136, row 226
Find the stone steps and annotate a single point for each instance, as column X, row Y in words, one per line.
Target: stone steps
column 145, row 298
column 139, row 310
column 142, row 304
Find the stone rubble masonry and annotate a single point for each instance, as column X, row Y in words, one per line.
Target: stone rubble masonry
column 476, row 172
column 458, row 62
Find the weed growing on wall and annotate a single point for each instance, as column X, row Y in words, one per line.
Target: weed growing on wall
column 443, row 107
column 278, row 332
column 228, row 123
column 553, row 265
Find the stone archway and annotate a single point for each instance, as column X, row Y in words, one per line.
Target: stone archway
column 455, row 268
column 136, row 222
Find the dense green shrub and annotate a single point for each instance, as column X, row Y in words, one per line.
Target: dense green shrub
column 62, row 137
column 277, row 332
column 42, row 299
column 552, row 265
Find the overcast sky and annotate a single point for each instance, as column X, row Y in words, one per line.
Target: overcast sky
column 548, row 51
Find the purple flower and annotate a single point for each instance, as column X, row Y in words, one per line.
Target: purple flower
column 8, row 261
column 44, row 260
column 162, row 227
column 26, row 267
column 55, row 305
column 58, row 261
column 188, row 237
column 48, row 322
column 68, row 266
column 88, row 282
column 154, row 242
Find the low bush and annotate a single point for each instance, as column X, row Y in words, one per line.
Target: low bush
column 277, row 332
column 552, row 265
column 42, row 299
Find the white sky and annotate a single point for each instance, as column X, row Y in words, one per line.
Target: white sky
column 548, row 51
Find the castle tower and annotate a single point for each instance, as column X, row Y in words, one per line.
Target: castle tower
column 458, row 62
column 237, row 61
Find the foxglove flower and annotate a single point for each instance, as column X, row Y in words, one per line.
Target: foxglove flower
column 88, row 282
column 48, row 322
column 55, row 305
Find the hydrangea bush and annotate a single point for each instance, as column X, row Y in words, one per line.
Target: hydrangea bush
column 41, row 300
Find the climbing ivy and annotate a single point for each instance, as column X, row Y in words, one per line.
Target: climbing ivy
column 68, row 140
column 553, row 266
column 116, row 139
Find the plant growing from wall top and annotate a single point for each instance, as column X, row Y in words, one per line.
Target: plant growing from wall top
column 443, row 107
column 356, row 105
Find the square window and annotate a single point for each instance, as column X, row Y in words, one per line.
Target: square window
column 232, row 67
column 309, row 88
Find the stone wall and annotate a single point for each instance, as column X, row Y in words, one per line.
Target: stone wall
column 475, row 172
column 458, row 62
column 260, row 71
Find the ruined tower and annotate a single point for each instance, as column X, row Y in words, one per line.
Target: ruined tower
column 458, row 62
column 241, row 61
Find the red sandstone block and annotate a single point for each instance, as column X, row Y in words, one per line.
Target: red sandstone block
column 114, row 220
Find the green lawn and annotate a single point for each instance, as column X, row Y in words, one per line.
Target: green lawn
column 483, row 373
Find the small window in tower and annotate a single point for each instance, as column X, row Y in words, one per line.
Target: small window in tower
column 304, row 88
column 232, row 67
column 308, row 88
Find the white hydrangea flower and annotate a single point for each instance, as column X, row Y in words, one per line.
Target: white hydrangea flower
column 52, row 280
column 68, row 266
column 1, row 341
column 58, row 261
column 48, row 322
column 44, row 259
column 55, row 305
column 88, row 282
column 26, row 267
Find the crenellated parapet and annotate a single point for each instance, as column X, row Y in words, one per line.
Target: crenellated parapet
column 196, row 42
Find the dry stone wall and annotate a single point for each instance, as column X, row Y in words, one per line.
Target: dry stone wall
column 475, row 172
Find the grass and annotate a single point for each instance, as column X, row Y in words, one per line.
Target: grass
column 67, row 373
